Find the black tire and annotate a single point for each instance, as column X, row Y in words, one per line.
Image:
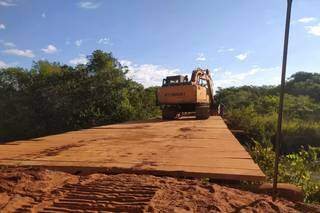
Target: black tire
column 169, row 114
column 202, row 112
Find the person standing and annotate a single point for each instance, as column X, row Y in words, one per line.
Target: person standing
column 221, row 109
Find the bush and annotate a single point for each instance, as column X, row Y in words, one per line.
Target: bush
column 298, row 134
column 296, row 168
column 254, row 110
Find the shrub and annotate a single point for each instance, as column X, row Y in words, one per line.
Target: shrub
column 296, row 168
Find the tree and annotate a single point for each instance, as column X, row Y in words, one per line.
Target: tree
column 51, row 98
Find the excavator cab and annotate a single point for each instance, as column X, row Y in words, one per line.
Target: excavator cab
column 175, row 80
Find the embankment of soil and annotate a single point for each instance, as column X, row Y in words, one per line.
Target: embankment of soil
column 49, row 191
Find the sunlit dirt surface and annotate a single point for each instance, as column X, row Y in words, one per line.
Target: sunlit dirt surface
column 39, row 190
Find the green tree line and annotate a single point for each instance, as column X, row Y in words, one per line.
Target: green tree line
column 254, row 110
column 51, row 98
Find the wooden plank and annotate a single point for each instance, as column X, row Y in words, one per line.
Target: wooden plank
column 187, row 147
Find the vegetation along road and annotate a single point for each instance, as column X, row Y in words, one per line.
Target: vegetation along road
column 52, row 98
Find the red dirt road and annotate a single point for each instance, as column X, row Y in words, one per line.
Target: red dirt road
column 34, row 190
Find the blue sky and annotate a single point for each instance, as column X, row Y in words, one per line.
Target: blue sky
column 240, row 41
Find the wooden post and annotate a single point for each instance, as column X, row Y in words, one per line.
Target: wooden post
column 282, row 90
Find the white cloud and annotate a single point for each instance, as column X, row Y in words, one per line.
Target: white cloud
column 17, row 52
column 44, row 15
column 79, row 60
column 105, row 41
column 223, row 50
column 217, row 69
column 148, row 74
column 50, row 49
column 242, row 56
column 242, row 76
column 3, row 64
column 78, row 43
column 88, row 4
column 6, row 3
column 229, row 79
column 306, row 19
column 227, row 73
column 200, row 57
column 314, row 30
column 2, row 26
column 7, row 44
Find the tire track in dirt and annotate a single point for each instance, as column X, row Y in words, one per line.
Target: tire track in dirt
column 107, row 195
column 37, row 190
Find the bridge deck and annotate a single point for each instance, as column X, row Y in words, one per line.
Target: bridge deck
column 186, row 147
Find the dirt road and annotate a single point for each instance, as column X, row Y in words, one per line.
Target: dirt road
column 34, row 190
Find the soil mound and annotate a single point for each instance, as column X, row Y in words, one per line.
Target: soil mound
column 37, row 190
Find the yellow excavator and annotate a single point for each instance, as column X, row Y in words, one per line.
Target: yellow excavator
column 179, row 96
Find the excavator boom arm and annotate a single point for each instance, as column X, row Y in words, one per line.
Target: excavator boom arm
column 204, row 75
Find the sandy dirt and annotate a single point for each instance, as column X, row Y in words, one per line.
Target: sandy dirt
column 39, row 190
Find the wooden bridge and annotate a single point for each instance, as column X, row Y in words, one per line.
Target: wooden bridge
column 185, row 147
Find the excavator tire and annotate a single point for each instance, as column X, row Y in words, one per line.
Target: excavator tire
column 202, row 112
column 169, row 114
